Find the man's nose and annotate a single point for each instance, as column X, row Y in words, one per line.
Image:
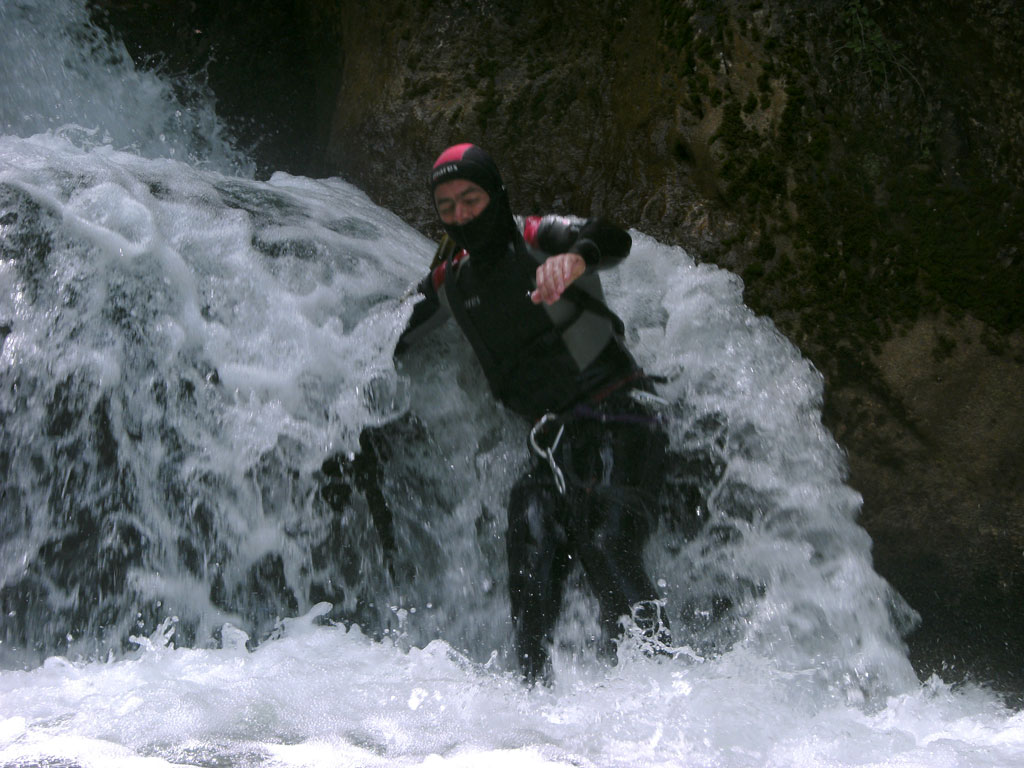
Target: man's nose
column 462, row 213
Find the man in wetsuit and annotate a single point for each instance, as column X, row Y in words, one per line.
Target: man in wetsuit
column 528, row 298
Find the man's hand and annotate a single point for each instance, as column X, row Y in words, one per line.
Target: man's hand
column 555, row 275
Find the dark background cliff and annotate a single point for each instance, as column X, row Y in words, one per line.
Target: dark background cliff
column 858, row 163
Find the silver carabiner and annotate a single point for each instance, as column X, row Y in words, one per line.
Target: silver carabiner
column 549, row 452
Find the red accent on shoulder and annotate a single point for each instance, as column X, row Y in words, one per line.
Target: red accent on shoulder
column 441, row 270
column 452, row 154
column 530, row 227
column 437, row 276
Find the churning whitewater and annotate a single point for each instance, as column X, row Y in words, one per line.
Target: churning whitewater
column 234, row 533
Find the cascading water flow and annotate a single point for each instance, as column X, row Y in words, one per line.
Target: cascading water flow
column 233, row 531
column 62, row 74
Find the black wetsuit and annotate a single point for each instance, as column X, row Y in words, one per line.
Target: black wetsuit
column 567, row 359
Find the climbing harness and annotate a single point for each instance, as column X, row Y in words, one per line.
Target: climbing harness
column 589, row 410
column 549, row 452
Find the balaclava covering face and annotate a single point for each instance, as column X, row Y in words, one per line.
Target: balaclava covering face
column 489, row 233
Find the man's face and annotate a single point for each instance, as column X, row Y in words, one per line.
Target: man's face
column 460, row 201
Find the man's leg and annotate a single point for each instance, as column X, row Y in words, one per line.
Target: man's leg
column 617, row 515
column 612, row 556
column 537, row 563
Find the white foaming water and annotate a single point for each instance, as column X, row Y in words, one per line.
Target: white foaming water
column 182, row 353
column 323, row 697
column 62, row 74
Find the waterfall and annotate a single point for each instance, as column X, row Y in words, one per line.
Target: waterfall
column 234, row 531
column 61, row 74
column 202, row 418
